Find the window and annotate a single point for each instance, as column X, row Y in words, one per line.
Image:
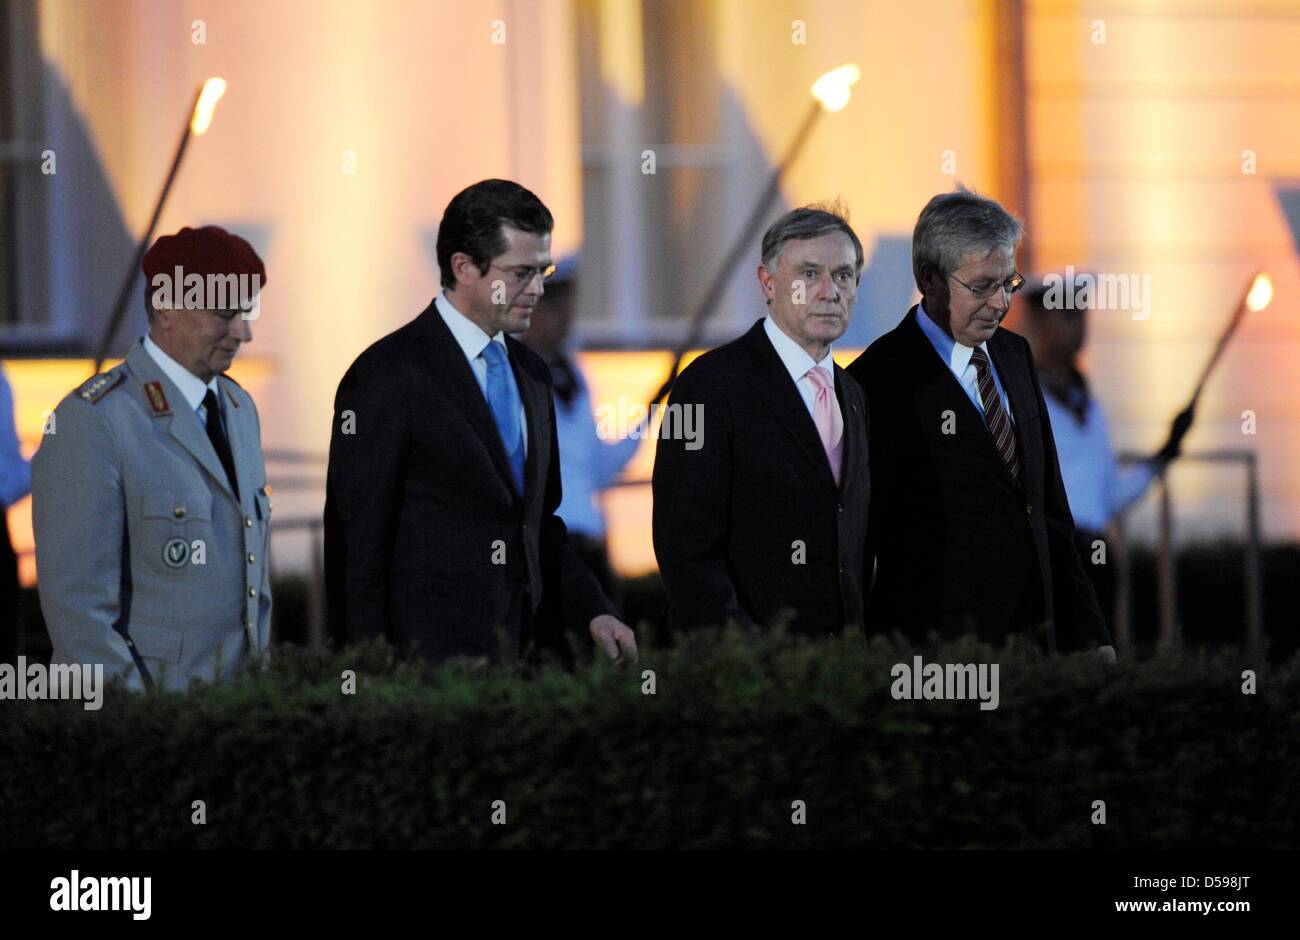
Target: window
column 24, row 189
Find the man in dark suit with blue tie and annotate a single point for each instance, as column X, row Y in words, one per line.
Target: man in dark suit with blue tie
column 970, row 528
column 440, row 524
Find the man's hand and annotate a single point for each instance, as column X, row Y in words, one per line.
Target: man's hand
column 1105, row 653
column 1177, row 431
column 614, row 637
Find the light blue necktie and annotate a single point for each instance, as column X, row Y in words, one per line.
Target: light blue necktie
column 503, row 399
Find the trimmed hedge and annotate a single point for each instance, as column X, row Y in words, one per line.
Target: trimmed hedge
column 738, row 728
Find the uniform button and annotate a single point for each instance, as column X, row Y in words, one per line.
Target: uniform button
column 839, row 507
column 1029, row 510
column 252, row 592
column 179, row 512
column 248, row 522
column 252, row 558
column 841, row 569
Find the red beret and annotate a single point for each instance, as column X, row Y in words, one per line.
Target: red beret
column 206, row 250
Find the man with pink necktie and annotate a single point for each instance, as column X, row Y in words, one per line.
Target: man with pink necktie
column 763, row 517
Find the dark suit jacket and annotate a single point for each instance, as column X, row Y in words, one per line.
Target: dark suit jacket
column 727, row 515
column 426, row 538
column 959, row 546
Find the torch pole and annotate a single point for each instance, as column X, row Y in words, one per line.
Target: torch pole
column 119, row 308
column 708, row 303
column 1238, row 315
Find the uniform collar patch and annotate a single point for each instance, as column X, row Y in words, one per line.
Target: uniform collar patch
column 157, row 399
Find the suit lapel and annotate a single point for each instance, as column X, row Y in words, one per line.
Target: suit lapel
column 536, row 397
column 244, row 446
column 182, row 424
column 784, row 401
column 941, row 389
column 853, row 433
column 453, row 370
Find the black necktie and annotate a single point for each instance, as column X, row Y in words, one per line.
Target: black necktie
column 995, row 415
column 217, row 435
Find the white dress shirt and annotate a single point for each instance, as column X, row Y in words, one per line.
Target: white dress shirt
column 957, row 358
column 192, row 388
column 473, row 341
column 797, row 362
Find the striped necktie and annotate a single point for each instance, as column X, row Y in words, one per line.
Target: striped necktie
column 995, row 415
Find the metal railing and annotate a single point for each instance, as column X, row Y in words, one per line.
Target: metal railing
column 313, row 525
column 1169, row 631
column 1169, row 624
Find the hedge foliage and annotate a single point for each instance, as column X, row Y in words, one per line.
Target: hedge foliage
column 738, row 728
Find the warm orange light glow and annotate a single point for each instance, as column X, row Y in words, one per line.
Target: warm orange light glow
column 622, row 64
column 1261, row 293
column 834, row 88
column 622, row 380
column 39, row 385
column 206, row 106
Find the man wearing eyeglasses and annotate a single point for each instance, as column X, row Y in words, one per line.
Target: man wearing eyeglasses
column 441, row 531
column 970, row 530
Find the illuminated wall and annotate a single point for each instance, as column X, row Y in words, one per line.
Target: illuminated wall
column 419, row 97
column 1157, row 132
column 1135, row 155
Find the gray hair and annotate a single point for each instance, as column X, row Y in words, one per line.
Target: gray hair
column 805, row 223
column 953, row 225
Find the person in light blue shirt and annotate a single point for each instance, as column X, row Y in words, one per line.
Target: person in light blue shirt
column 589, row 464
column 1097, row 488
column 15, row 483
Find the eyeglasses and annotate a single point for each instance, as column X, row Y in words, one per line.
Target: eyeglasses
column 983, row 290
column 524, row 274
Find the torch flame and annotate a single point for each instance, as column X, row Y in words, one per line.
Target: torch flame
column 1261, row 293
column 212, row 91
column 833, row 88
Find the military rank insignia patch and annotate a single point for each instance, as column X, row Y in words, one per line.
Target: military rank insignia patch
column 176, row 553
column 101, row 385
column 157, row 399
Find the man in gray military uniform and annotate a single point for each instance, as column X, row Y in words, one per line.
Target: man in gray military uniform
column 149, row 498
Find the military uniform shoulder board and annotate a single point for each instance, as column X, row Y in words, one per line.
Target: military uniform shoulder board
column 153, row 391
column 101, row 385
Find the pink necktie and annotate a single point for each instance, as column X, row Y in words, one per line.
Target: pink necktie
column 827, row 417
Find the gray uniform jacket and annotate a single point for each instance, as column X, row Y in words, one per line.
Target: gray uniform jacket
column 146, row 560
